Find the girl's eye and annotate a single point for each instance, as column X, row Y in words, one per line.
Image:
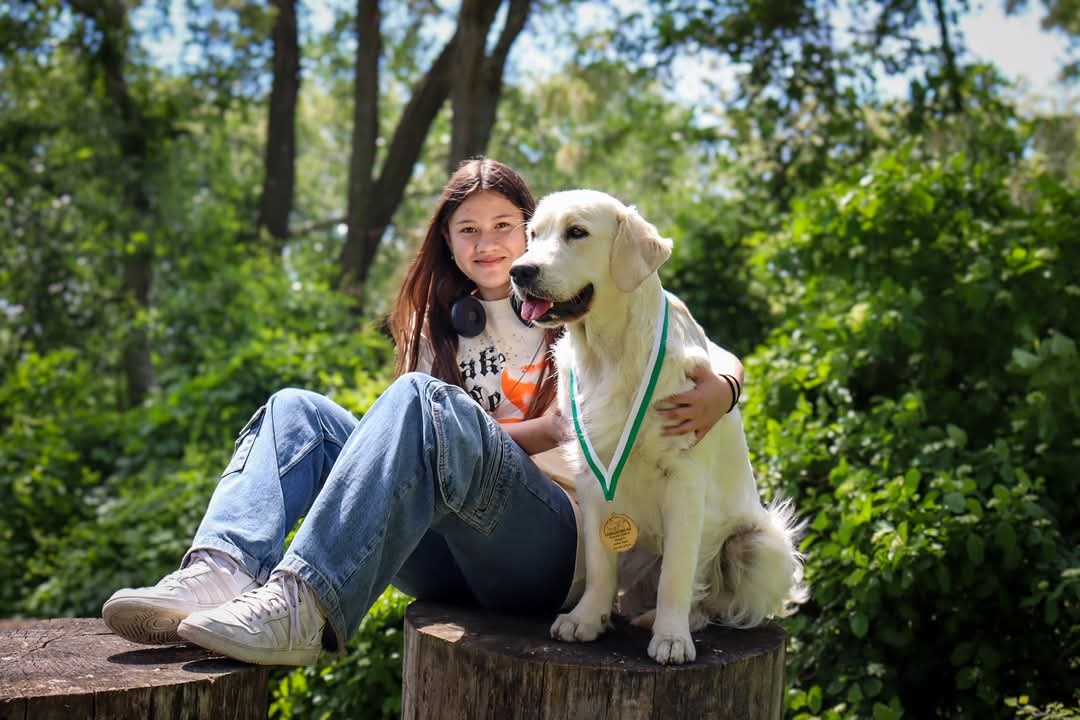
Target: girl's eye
column 576, row 232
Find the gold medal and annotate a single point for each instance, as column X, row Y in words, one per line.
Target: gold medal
column 618, row 533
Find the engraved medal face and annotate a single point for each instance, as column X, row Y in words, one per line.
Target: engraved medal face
column 618, row 533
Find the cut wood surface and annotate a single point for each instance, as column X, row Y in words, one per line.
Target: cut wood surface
column 77, row 669
column 463, row 663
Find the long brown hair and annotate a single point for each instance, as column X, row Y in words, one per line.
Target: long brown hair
column 433, row 281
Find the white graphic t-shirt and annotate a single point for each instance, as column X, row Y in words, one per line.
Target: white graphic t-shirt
column 500, row 369
column 501, row 366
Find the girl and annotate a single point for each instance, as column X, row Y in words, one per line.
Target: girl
column 448, row 487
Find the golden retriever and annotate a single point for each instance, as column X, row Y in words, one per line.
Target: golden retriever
column 591, row 265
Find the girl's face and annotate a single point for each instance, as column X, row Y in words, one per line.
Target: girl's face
column 487, row 233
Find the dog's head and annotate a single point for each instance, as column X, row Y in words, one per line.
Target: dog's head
column 584, row 246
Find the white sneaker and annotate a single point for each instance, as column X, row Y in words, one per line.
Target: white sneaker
column 277, row 624
column 149, row 615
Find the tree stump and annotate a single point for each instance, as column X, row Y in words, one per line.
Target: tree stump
column 464, row 663
column 77, row 669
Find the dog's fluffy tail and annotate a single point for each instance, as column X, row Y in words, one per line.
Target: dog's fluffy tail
column 759, row 571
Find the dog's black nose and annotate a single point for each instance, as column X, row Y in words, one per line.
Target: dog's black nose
column 524, row 274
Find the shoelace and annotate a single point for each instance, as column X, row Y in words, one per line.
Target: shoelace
column 291, row 590
column 283, row 591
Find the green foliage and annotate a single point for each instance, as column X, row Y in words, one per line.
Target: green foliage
column 708, row 269
column 917, row 398
column 363, row 683
column 597, row 126
column 1054, row 711
column 56, row 440
column 147, row 473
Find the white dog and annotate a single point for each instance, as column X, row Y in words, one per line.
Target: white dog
column 591, row 265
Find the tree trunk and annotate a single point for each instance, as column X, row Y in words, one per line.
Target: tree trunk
column 75, row 669
column 280, row 155
column 372, row 204
column 111, row 19
column 467, row 89
column 478, row 77
column 362, row 236
column 462, row 663
column 495, row 68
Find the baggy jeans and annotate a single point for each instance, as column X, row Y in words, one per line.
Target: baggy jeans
column 425, row 491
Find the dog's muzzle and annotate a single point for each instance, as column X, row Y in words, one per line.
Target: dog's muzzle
column 545, row 311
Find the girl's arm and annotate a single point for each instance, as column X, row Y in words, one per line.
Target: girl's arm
column 539, row 434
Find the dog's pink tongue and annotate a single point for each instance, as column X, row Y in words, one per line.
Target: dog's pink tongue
column 534, row 308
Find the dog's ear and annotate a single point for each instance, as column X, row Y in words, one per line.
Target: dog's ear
column 637, row 250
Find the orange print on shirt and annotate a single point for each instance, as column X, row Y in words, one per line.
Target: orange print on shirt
column 519, row 392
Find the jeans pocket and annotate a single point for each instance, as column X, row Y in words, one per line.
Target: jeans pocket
column 244, row 441
column 483, row 505
column 480, row 503
column 475, row 465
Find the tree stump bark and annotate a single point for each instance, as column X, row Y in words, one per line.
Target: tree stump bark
column 77, row 669
column 464, row 663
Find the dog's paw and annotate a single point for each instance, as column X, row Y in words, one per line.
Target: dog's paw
column 645, row 620
column 672, row 649
column 572, row 628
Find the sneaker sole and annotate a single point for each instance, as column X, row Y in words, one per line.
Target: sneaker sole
column 256, row 656
column 142, row 623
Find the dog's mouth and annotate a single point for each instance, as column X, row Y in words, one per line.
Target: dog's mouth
column 548, row 311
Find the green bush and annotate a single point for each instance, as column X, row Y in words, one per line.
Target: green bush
column 58, row 434
column 364, row 683
column 148, row 472
column 1054, row 711
column 918, row 398
column 707, row 271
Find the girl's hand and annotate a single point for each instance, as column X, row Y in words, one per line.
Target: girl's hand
column 560, row 428
column 540, row 434
column 698, row 409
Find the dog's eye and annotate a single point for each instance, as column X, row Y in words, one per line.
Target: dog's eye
column 576, row 232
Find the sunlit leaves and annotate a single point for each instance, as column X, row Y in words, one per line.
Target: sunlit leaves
column 939, row 482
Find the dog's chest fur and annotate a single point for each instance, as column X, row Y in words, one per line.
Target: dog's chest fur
column 607, row 380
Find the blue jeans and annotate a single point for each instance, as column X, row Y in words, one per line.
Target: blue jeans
column 425, row 491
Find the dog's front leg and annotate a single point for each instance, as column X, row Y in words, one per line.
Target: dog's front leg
column 683, row 519
column 592, row 614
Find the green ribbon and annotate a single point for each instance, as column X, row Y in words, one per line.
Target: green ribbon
column 609, row 480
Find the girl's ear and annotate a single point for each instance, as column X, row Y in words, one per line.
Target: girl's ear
column 637, row 250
